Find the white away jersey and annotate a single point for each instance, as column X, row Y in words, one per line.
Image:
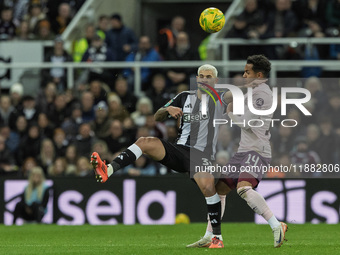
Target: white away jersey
column 256, row 138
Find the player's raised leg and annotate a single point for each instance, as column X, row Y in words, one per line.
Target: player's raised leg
column 150, row 146
column 256, row 202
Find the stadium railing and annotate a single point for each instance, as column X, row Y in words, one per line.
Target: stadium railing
column 222, row 65
column 293, row 41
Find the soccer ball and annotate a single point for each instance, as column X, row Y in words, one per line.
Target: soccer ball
column 182, row 218
column 212, row 20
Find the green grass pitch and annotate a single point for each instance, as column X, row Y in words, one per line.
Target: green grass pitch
column 242, row 238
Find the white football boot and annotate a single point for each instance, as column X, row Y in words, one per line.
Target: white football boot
column 205, row 241
column 279, row 234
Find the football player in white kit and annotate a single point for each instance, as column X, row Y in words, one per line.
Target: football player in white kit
column 254, row 151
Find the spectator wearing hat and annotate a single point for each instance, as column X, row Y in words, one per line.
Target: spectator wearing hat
column 16, row 92
column 101, row 124
column 99, row 52
column 7, row 26
column 120, row 39
column 57, row 75
column 29, row 109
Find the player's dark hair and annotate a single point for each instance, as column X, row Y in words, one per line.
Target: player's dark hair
column 260, row 64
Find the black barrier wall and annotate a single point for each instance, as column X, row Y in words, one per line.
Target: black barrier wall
column 156, row 200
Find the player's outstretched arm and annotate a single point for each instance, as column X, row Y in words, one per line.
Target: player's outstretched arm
column 163, row 113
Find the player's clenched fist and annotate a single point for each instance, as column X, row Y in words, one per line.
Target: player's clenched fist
column 175, row 112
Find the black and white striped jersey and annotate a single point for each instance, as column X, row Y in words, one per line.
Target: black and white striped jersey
column 196, row 130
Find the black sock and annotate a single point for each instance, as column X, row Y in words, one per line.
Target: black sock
column 124, row 159
column 214, row 212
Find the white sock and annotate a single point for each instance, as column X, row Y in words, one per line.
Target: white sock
column 109, row 170
column 134, row 148
column 208, row 234
column 219, row 237
column 273, row 222
column 256, row 202
column 213, row 199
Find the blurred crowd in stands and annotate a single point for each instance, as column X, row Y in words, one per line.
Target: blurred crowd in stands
column 263, row 19
column 36, row 19
column 59, row 128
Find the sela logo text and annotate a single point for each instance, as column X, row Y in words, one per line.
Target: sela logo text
column 195, row 117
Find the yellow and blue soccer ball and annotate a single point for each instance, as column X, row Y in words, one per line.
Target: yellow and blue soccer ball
column 212, row 20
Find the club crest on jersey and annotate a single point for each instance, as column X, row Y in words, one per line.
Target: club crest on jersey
column 195, row 117
column 259, row 102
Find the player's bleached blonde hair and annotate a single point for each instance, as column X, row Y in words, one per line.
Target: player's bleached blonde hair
column 208, row 67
